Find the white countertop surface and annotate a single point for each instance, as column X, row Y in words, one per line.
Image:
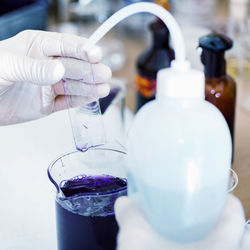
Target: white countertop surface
column 27, row 216
column 27, row 213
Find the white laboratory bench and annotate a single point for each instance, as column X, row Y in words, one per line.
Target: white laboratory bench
column 27, row 216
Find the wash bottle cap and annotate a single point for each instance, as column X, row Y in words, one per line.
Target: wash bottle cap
column 178, row 81
column 213, row 47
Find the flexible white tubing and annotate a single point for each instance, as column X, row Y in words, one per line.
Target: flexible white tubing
column 164, row 15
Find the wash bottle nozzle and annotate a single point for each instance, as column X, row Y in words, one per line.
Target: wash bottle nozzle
column 172, row 81
column 163, row 14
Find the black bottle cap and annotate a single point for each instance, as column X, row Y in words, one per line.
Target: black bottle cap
column 213, row 53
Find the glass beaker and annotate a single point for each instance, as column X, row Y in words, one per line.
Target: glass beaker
column 87, row 185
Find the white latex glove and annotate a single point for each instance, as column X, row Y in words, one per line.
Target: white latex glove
column 32, row 64
column 230, row 233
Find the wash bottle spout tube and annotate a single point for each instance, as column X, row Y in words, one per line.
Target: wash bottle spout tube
column 163, row 14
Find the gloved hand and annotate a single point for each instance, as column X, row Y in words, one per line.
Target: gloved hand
column 230, row 233
column 32, row 64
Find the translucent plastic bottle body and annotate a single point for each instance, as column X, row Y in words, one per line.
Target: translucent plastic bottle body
column 179, row 164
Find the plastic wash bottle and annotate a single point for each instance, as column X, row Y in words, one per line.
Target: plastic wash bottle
column 179, row 163
column 179, row 146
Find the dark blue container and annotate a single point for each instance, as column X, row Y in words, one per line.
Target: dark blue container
column 31, row 15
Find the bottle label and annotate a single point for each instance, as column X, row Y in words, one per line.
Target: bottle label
column 145, row 86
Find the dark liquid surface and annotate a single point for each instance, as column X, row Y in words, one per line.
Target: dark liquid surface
column 90, row 224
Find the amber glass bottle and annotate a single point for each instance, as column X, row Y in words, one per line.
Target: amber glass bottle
column 157, row 56
column 220, row 87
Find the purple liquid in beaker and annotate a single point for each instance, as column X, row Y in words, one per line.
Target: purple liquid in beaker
column 85, row 215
